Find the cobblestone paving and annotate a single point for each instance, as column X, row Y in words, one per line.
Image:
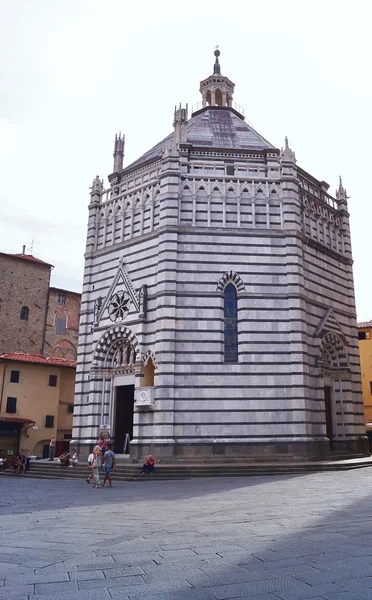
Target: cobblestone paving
column 260, row 538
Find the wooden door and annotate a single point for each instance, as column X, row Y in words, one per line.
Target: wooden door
column 328, row 411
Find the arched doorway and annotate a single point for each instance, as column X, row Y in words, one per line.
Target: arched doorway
column 116, row 365
column 122, row 384
column 123, row 364
column 334, row 369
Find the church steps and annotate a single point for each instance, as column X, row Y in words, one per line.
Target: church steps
column 279, row 459
column 131, row 472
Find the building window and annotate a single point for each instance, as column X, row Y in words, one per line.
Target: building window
column 70, row 408
column 370, row 387
column 362, row 335
column 14, row 376
column 11, row 405
column 49, row 421
column 52, row 380
column 24, row 313
column 230, row 170
column 60, row 326
column 61, row 299
column 67, row 436
column 230, row 299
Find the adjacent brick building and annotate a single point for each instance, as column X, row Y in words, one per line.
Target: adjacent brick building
column 62, row 327
column 38, row 338
column 34, row 317
column 24, row 287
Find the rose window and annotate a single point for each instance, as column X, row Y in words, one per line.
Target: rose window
column 119, row 306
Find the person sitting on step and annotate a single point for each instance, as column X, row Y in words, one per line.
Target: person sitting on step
column 148, row 465
column 17, row 464
column 74, row 458
column 64, row 459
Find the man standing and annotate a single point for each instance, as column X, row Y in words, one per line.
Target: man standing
column 109, row 463
column 52, row 447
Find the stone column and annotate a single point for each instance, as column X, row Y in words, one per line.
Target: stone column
column 104, row 232
column 194, row 210
column 122, row 227
column 152, row 214
column 141, row 220
column 131, row 222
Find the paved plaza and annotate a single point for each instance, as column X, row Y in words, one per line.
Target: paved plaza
column 259, row 538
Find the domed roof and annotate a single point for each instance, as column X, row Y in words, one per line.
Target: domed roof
column 214, row 127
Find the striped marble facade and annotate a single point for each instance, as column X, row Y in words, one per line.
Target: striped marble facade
column 164, row 241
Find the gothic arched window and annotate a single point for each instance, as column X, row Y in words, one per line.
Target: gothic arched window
column 230, row 301
column 24, row 313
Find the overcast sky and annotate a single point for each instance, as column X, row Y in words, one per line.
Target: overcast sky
column 75, row 72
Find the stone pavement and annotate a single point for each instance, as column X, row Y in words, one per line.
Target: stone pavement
column 261, row 538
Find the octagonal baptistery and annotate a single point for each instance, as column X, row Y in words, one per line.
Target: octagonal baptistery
column 218, row 311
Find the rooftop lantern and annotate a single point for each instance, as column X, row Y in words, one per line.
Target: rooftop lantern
column 217, row 90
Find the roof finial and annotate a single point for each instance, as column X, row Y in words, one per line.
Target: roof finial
column 217, row 68
column 287, row 154
column 341, row 193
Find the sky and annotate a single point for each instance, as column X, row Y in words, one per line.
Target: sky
column 74, row 73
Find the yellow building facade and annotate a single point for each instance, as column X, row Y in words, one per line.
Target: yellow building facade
column 365, row 350
column 36, row 402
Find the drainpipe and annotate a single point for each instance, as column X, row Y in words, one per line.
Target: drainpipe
column 2, row 386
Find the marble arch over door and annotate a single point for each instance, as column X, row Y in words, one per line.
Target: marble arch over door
column 334, row 369
column 116, row 371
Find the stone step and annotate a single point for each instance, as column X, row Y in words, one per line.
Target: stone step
column 198, row 466
column 174, row 468
column 131, row 472
column 277, row 459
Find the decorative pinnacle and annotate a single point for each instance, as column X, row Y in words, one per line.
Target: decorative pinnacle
column 286, row 142
column 341, row 193
column 217, row 68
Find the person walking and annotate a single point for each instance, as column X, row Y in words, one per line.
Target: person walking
column 109, row 463
column 52, row 447
column 96, row 465
column 90, row 462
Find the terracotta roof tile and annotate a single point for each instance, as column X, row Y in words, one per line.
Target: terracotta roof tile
column 31, row 258
column 27, row 257
column 365, row 324
column 38, row 359
column 15, row 420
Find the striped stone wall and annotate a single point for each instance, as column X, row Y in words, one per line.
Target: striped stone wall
column 284, row 242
